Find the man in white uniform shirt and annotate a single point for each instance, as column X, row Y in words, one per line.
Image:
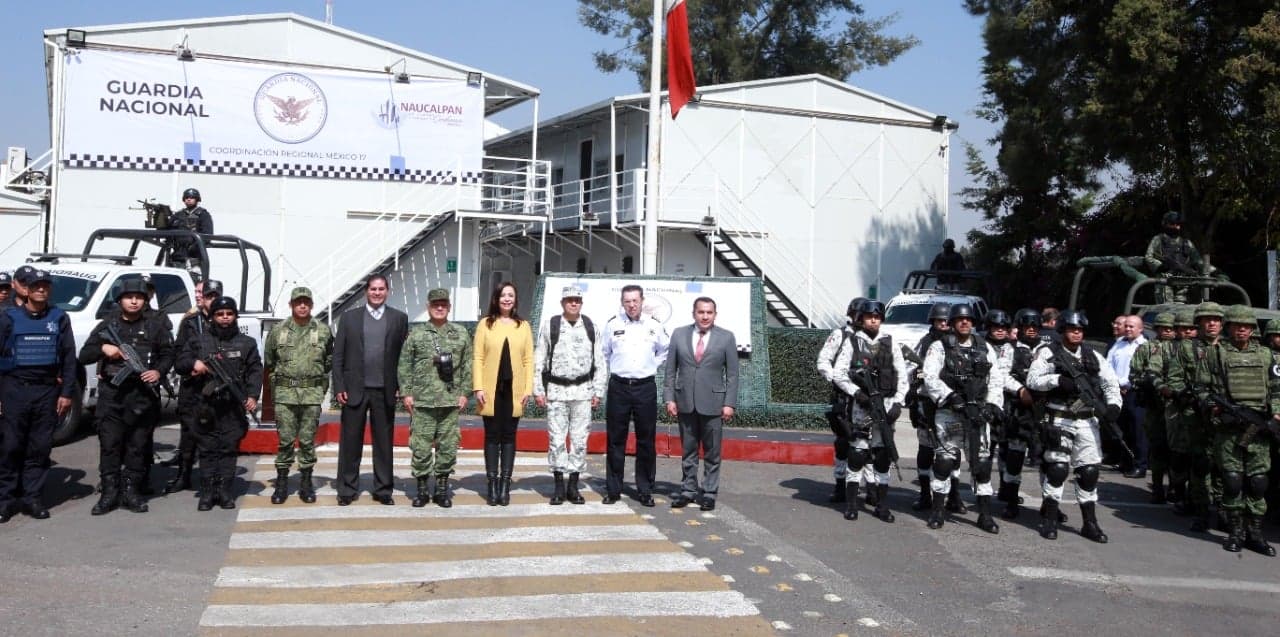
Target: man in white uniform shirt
column 1131, row 414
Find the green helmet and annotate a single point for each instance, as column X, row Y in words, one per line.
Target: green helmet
column 1209, row 308
column 1273, row 327
column 1184, row 317
column 1164, row 319
column 1240, row 314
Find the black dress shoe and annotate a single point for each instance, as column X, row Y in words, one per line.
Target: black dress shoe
column 1136, row 473
column 36, row 511
column 708, row 504
column 610, row 499
column 680, row 502
column 384, row 499
column 646, row 499
column 344, row 500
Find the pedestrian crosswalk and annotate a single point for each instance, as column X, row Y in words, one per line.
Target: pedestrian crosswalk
column 528, row 568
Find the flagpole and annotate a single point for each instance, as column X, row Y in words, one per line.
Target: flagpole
column 649, row 260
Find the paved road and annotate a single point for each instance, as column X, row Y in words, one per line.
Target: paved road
column 773, row 545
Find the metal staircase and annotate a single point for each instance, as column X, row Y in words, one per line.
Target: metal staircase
column 731, row 256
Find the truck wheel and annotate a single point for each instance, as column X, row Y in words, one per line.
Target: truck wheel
column 69, row 425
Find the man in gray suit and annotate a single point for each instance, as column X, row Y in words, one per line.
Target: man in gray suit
column 366, row 353
column 701, row 389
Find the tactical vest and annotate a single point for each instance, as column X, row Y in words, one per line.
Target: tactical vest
column 33, row 342
column 1244, row 373
column 877, row 355
column 922, row 347
column 1175, row 250
column 135, row 334
column 1088, row 361
column 965, row 369
column 190, row 219
column 554, row 337
column 1023, row 354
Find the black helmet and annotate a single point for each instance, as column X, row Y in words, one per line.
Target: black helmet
column 853, row 306
column 960, row 310
column 871, row 306
column 1027, row 317
column 224, row 303
column 940, row 311
column 131, row 286
column 998, row 318
column 949, row 244
column 213, row 286
column 1171, row 218
column 191, row 193
column 1072, row 318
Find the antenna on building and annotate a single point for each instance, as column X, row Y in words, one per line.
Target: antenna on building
column 328, row 11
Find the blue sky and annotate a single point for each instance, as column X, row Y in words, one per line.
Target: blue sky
column 538, row 42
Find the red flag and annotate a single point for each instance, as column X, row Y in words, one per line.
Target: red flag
column 680, row 84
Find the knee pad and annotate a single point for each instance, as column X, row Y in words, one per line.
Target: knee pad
column 880, row 460
column 1013, row 461
column 1056, row 473
column 943, row 465
column 1201, row 465
column 1087, row 477
column 924, row 458
column 1232, row 484
column 858, row 458
column 982, row 471
column 1258, row 485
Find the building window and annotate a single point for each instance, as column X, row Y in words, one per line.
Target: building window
column 582, row 265
column 628, row 265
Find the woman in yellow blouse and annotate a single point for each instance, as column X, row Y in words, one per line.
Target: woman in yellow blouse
column 502, row 377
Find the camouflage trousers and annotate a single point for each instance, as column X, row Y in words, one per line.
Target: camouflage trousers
column 572, row 418
column 296, row 424
column 433, row 439
column 1252, row 460
column 1190, row 439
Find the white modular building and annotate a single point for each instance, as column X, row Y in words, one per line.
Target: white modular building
column 824, row 190
column 340, row 154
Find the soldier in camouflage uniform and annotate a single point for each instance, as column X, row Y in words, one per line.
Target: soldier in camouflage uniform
column 1271, row 336
column 435, row 372
column 1248, row 375
column 1184, row 329
column 569, row 379
column 299, row 356
column 1171, row 254
column 1188, row 376
column 1146, row 366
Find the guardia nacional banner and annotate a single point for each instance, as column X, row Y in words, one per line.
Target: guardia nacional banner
column 144, row 111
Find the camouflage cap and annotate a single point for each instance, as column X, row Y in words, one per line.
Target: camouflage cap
column 571, row 292
column 1241, row 314
column 1163, row 319
column 1273, row 327
column 300, row 292
column 437, row 294
column 1184, row 317
column 1209, row 308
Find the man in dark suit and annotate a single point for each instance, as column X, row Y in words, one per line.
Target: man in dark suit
column 366, row 353
column 701, row 389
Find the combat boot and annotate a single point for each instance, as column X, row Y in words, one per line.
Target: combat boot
column 129, row 497
column 882, row 503
column 1009, row 495
column 925, row 501
column 282, row 487
column 423, row 496
column 837, row 494
column 851, row 500
column 1254, row 540
column 872, row 497
column 954, row 503
column 143, row 485
column 1049, row 519
column 182, row 481
column 938, row 516
column 225, row 499
column 571, row 493
column 985, row 521
column 1203, row 520
column 207, row 496
column 110, row 498
column 1157, row 488
column 1222, row 519
column 557, row 497
column 442, row 497
column 306, row 488
column 1089, row 524
column 1235, row 536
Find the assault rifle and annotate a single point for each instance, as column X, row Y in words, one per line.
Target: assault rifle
column 1255, row 422
column 158, row 215
column 1090, row 398
column 867, row 382
column 224, row 380
column 974, row 412
column 133, row 362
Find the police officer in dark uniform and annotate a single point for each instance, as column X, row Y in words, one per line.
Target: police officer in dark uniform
column 194, row 324
column 128, row 403
column 38, row 369
column 192, row 216
column 6, row 290
column 220, row 421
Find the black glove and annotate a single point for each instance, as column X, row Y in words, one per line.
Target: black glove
column 955, row 401
column 1066, row 384
column 894, row 412
column 1113, row 413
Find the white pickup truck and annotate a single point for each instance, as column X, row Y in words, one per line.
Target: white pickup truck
column 84, row 286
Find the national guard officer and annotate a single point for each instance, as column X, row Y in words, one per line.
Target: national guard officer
column 922, row 412
column 1271, row 335
column 569, row 379
column 831, row 351
column 128, row 399
column 1174, row 408
column 1187, row 380
column 220, row 421
column 191, row 327
column 1146, row 367
column 1247, row 375
column 1023, row 410
column 1079, row 382
column 1171, row 254
column 193, row 217
column 963, row 379
column 299, row 356
column 435, row 369
column 871, row 368
column 37, row 381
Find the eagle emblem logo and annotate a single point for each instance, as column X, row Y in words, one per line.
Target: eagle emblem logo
column 290, row 108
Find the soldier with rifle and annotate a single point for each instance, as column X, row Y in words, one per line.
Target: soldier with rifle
column 225, row 368
column 1189, row 377
column 962, row 377
column 1024, row 410
column 835, row 345
column 1243, row 407
column 193, row 325
column 1146, row 367
column 1084, row 393
column 872, row 374
column 1171, row 255
column 922, row 412
column 133, row 352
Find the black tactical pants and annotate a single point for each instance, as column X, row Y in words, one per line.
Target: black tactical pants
column 126, row 417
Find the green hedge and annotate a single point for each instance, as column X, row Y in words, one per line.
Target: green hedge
column 793, row 353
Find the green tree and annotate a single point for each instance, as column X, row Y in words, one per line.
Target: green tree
column 737, row 40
